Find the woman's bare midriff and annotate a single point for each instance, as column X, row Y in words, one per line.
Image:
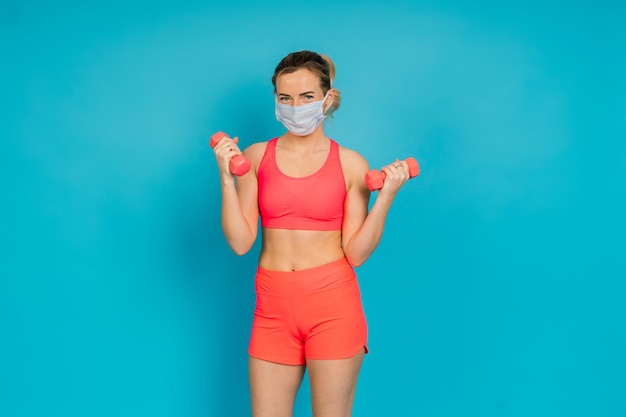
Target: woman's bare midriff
column 294, row 250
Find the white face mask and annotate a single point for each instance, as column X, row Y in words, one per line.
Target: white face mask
column 301, row 120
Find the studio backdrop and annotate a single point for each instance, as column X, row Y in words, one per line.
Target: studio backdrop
column 498, row 287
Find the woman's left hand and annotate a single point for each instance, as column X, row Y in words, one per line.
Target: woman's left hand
column 396, row 175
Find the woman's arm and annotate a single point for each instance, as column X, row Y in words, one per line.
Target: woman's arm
column 361, row 232
column 239, row 196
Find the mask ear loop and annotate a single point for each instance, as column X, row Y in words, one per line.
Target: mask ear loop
column 324, row 102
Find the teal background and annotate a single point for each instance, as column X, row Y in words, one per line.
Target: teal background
column 497, row 290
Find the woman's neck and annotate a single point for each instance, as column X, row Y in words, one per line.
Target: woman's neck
column 316, row 140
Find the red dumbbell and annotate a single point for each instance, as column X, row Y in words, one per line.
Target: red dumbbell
column 374, row 179
column 239, row 165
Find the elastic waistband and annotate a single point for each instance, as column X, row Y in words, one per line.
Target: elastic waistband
column 305, row 280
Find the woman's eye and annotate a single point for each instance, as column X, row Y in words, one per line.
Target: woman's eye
column 284, row 99
column 308, row 97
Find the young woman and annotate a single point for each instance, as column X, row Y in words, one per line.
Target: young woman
column 312, row 200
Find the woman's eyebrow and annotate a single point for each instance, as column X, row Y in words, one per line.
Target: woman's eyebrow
column 306, row 93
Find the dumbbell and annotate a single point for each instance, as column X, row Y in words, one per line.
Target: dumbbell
column 374, row 179
column 239, row 165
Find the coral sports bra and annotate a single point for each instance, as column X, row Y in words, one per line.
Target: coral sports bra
column 314, row 202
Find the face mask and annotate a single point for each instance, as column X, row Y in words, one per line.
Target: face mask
column 301, row 120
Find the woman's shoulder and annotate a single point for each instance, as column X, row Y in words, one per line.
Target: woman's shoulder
column 256, row 150
column 352, row 159
column 257, row 146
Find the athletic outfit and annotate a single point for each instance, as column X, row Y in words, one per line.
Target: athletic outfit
column 315, row 313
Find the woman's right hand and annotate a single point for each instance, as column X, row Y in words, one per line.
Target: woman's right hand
column 224, row 151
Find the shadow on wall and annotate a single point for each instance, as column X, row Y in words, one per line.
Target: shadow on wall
column 219, row 283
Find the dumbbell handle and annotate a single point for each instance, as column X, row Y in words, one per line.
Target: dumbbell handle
column 238, row 165
column 374, row 179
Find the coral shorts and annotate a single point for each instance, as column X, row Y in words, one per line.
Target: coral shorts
column 314, row 313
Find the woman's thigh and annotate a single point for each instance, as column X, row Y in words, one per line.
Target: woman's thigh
column 333, row 385
column 273, row 387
